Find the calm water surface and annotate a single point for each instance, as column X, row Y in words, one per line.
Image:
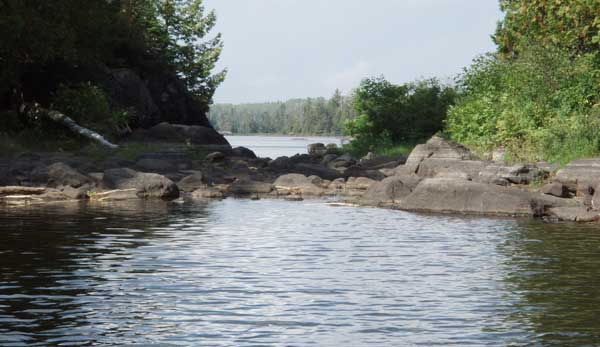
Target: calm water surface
column 278, row 273
column 276, row 146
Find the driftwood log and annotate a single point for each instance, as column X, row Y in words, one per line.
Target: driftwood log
column 35, row 110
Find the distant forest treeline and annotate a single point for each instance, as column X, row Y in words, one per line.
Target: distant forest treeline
column 310, row 116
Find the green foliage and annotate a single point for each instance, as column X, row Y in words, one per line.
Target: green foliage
column 89, row 106
column 311, row 116
column 177, row 29
column 405, row 113
column 572, row 24
column 44, row 41
column 392, row 114
column 541, row 104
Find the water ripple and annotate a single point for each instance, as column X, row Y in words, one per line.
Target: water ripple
column 278, row 273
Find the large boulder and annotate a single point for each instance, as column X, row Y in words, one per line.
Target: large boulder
column 555, row 189
column 390, row 191
column 359, row 171
column 580, row 171
column 309, row 169
column 59, row 174
column 182, row 134
column 176, row 104
column 147, row 185
column 298, row 184
column 192, row 182
column 246, row 187
column 516, row 174
column 433, row 167
column 435, row 148
column 127, row 89
column 573, row 214
column 243, row 152
column 450, row 195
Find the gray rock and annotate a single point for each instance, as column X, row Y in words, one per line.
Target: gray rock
column 596, row 198
column 337, row 184
column 358, row 171
column 281, row 163
column 192, row 182
column 183, row 134
column 390, row 191
column 359, row 183
column 245, row 187
column 147, row 185
column 328, row 158
column 155, row 165
column 207, row 193
column 573, row 214
column 433, row 167
column 308, row 169
column 435, row 148
column 243, row 152
column 80, row 193
column 447, row 195
column 59, row 174
column 297, row 184
column 555, row 189
column 215, row 156
column 582, row 170
column 317, row 149
column 127, row 89
column 516, row 174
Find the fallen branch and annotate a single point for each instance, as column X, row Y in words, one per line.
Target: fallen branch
column 36, row 110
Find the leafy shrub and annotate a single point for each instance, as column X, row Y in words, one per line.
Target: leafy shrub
column 540, row 105
column 392, row 114
column 90, row 107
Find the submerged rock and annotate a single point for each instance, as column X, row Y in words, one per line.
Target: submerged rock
column 573, row 214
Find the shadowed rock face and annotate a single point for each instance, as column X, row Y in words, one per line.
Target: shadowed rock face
column 183, row 134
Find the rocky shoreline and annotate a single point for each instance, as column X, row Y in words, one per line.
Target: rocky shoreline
column 437, row 177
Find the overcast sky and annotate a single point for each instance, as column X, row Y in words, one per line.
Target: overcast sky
column 281, row 49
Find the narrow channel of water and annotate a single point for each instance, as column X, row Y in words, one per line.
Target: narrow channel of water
column 279, row 273
column 277, row 146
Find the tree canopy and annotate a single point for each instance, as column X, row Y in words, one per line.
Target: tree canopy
column 296, row 116
column 572, row 24
column 39, row 35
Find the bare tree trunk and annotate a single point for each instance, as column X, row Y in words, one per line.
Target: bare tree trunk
column 37, row 110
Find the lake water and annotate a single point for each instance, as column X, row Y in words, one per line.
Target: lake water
column 276, row 146
column 280, row 273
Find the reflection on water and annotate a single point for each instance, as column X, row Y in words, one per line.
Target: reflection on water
column 278, row 273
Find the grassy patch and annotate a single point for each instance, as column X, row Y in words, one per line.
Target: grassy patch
column 394, row 151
